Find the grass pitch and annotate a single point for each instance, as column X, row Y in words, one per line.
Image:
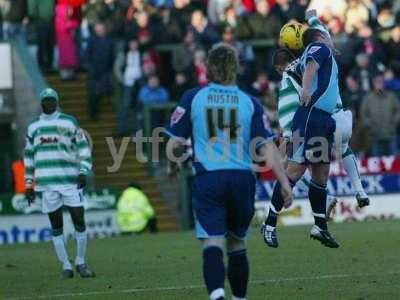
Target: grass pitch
column 168, row 266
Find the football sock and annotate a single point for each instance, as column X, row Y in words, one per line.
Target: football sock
column 304, row 183
column 214, row 272
column 59, row 245
column 350, row 166
column 276, row 204
column 238, row 273
column 317, row 195
column 81, row 245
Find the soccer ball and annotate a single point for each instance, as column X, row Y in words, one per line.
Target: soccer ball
column 291, row 36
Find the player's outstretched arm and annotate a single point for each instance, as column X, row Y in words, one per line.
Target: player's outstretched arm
column 273, row 160
column 315, row 22
column 308, row 76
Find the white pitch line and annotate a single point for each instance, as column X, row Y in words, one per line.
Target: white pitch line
column 193, row 287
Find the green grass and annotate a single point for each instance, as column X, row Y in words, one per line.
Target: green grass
column 365, row 267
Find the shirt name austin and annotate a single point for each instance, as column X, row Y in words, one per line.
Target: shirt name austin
column 223, row 99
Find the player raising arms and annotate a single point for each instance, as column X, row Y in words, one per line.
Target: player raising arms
column 286, row 64
column 289, row 100
column 344, row 128
column 313, row 132
column 226, row 126
column 57, row 159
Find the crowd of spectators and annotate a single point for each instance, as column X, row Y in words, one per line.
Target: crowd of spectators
column 121, row 39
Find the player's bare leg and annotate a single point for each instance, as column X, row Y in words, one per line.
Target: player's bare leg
column 317, row 195
column 294, row 171
column 56, row 221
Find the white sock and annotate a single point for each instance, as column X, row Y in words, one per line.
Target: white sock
column 237, row 298
column 81, row 244
column 61, row 251
column 350, row 166
column 218, row 293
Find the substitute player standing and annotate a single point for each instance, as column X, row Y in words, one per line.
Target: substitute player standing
column 225, row 125
column 57, row 159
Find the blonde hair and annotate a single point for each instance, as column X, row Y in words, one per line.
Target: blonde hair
column 222, row 64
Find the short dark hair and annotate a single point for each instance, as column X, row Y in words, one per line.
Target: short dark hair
column 282, row 56
column 311, row 35
column 222, row 64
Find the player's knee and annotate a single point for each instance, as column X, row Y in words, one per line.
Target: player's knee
column 295, row 171
column 214, row 242
column 79, row 225
column 57, row 231
column 233, row 244
column 320, row 174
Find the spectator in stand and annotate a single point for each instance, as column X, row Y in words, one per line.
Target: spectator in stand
column 239, row 23
column 134, row 7
column 200, row 67
column 41, row 15
column 113, row 15
column 353, row 96
column 169, row 26
column 204, row 33
column 286, row 10
column 337, row 7
column 356, row 14
column 100, row 58
column 261, row 85
column 140, row 26
column 182, row 56
column 367, row 42
column 230, row 18
column 181, row 85
column 392, row 48
column 153, row 92
column 363, row 72
column 270, row 105
column 386, row 18
column 246, row 57
column 262, row 23
column 66, row 26
column 91, row 11
column 15, row 17
column 380, row 114
column 182, row 12
column 342, row 41
column 128, row 70
column 216, row 10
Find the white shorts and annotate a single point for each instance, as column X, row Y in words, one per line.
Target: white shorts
column 344, row 129
column 53, row 200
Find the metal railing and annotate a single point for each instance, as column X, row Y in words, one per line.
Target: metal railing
column 149, row 120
